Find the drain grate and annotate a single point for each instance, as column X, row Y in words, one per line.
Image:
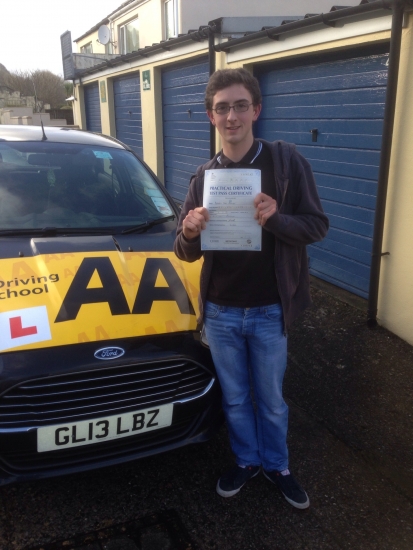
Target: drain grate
column 160, row 531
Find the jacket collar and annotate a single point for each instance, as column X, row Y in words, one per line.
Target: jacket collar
column 248, row 158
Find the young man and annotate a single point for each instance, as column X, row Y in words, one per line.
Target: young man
column 248, row 300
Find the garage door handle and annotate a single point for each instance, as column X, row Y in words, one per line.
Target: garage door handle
column 189, row 113
column 130, row 112
column 314, row 133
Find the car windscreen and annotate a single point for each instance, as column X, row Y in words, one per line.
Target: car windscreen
column 63, row 185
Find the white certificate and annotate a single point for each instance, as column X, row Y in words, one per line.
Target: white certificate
column 229, row 197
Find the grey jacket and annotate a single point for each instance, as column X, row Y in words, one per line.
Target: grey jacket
column 299, row 221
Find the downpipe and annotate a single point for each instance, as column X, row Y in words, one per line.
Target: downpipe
column 212, row 67
column 386, row 146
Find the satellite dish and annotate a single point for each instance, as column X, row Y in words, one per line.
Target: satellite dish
column 104, row 34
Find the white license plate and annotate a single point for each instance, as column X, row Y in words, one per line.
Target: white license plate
column 87, row 432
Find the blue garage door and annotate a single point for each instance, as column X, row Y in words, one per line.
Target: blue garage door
column 185, row 124
column 128, row 113
column 92, row 108
column 343, row 100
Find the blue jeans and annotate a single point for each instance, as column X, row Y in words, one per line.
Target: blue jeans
column 249, row 349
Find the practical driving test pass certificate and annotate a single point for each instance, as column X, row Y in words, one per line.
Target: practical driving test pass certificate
column 229, row 197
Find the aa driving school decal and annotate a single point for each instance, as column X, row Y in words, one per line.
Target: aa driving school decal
column 60, row 299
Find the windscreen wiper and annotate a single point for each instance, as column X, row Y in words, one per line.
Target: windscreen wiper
column 147, row 225
column 17, row 232
column 55, row 231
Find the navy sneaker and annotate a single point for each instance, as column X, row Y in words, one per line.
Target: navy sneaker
column 231, row 482
column 290, row 488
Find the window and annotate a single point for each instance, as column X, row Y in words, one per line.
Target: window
column 171, row 19
column 87, row 48
column 129, row 37
column 68, row 185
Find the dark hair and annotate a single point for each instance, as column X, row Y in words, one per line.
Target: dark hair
column 227, row 77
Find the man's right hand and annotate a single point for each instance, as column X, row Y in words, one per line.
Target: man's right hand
column 195, row 222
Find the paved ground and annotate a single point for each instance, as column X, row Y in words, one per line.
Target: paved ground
column 350, row 394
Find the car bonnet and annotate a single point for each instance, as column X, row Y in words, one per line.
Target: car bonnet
column 94, row 290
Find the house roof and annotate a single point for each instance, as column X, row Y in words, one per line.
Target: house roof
column 309, row 22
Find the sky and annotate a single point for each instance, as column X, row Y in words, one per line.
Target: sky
column 30, row 30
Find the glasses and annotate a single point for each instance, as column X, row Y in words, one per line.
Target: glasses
column 238, row 108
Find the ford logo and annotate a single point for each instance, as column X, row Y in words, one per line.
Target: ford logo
column 109, row 353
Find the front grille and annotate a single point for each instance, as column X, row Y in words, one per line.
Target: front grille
column 101, row 392
column 25, row 461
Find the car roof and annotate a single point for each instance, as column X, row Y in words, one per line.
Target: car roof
column 56, row 135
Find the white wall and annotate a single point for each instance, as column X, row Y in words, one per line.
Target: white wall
column 395, row 306
column 194, row 13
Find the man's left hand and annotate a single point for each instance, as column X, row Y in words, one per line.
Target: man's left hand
column 265, row 206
